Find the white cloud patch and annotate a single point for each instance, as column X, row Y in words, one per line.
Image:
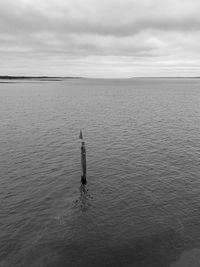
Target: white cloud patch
column 105, row 38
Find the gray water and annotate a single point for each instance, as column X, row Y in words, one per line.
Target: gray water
column 141, row 204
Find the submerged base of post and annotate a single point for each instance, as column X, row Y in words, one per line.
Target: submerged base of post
column 83, row 179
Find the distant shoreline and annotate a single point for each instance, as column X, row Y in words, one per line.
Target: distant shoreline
column 8, row 77
column 58, row 78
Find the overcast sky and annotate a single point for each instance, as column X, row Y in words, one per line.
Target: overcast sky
column 100, row 38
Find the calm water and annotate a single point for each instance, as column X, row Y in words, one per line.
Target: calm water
column 141, row 205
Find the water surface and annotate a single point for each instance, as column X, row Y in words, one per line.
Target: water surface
column 141, row 203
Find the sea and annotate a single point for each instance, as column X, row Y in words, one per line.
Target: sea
column 141, row 204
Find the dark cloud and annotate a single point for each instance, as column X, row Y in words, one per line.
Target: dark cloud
column 33, row 20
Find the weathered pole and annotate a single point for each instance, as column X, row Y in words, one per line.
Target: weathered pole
column 83, row 160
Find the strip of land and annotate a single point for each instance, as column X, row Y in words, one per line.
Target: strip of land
column 34, row 78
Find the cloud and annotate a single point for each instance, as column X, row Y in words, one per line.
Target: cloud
column 119, row 18
column 127, row 35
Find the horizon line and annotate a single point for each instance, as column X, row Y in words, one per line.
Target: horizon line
column 4, row 77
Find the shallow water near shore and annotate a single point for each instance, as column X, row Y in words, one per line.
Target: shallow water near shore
column 141, row 204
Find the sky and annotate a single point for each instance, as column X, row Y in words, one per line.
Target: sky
column 100, row 38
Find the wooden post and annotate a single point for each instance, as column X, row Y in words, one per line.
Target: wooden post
column 83, row 163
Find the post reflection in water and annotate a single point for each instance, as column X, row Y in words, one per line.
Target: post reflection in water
column 83, row 203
